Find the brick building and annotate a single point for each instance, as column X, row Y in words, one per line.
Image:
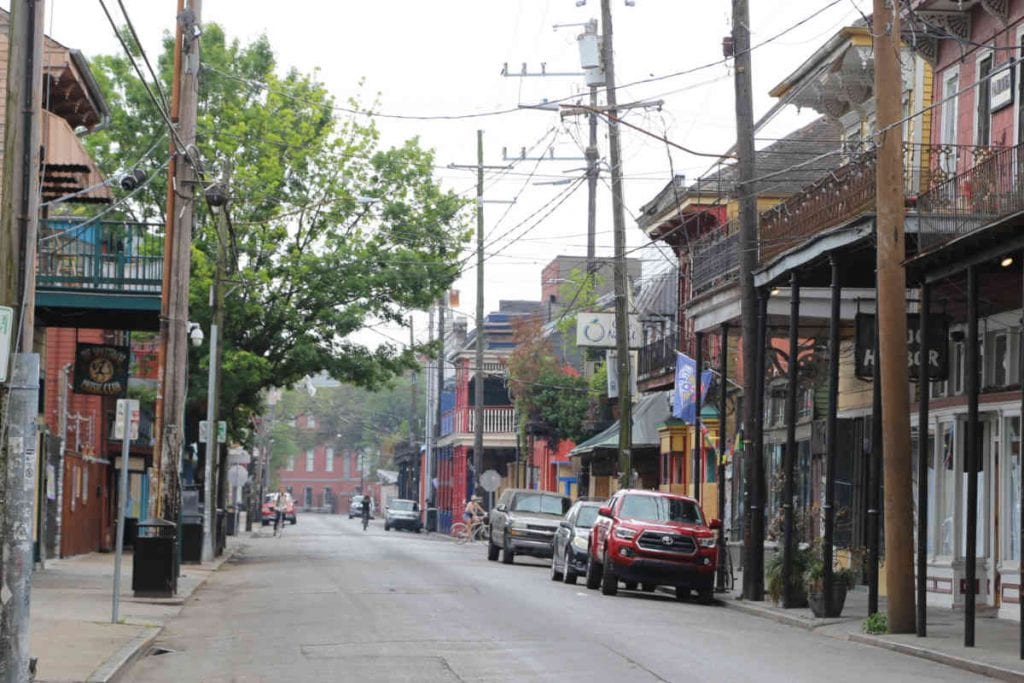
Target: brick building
column 321, row 478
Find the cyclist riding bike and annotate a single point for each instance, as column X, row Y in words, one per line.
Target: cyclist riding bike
column 280, row 508
column 365, row 505
column 473, row 514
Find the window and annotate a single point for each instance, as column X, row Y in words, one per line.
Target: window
column 307, row 497
column 310, row 459
column 946, row 466
column 999, row 359
column 956, row 370
column 345, row 460
column 291, row 463
column 311, row 421
column 984, row 122
column 659, row 509
column 1011, row 538
column 328, row 497
column 948, row 156
column 329, row 459
column 806, row 405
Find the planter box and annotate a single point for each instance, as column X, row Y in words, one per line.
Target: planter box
column 817, row 602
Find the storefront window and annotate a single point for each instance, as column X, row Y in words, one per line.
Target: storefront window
column 1011, row 495
column 945, row 498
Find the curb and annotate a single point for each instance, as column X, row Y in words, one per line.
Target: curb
column 990, row 670
column 119, row 663
column 783, row 617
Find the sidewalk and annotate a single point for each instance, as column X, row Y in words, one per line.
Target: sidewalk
column 70, row 629
column 997, row 641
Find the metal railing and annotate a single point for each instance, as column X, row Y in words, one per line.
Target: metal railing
column 715, row 258
column 979, row 196
column 103, row 257
column 658, row 357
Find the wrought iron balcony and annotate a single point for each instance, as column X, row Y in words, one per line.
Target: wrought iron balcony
column 108, row 268
column 658, row 358
column 715, row 258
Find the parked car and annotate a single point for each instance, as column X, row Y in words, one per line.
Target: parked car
column 269, row 511
column 356, row 509
column 402, row 514
column 653, row 539
column 523, row 522
column 569, row 548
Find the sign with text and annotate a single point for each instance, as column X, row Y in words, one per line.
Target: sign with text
column 127, row 414
column 101, row 369
column 938, row 353
column 1001, row 88
column 204, row 431
column 598, row 329
column 6, row 325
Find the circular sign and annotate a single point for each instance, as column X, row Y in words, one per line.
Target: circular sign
column 490, row 480
column 238, row 475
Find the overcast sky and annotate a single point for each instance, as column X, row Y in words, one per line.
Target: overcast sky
column 444, row 57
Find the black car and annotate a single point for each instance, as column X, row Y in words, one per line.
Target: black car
column 569, row 547
column 402, row 514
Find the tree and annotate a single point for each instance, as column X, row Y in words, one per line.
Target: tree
column 331, row 233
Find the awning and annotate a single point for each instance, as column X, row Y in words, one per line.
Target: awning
column 67, row 167
column 650, row 412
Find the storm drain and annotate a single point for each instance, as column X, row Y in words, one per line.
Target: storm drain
column 154, row 651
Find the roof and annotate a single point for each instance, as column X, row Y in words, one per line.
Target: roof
column 659, row 294
column 650, row 412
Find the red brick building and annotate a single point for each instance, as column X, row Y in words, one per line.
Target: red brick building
column 322, row 478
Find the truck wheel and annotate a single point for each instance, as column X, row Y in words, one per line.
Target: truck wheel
column 706, row 596
column 609, row 582
column 683, row 593
column 569, row 576
column 506, row 553
column 492, row 551
column 593, row 574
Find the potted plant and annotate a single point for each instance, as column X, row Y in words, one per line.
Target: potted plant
column 774, row 584
column 843, row 578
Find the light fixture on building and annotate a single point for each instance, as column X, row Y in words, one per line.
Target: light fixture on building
column 1006, row 262
column 775, row 291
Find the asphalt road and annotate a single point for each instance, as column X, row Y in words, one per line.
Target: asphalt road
column 328, row 602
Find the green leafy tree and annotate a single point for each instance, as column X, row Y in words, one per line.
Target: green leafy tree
column 331, row 232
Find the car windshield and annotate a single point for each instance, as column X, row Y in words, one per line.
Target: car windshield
column 536, row 502
column 660, row 509
column 587, row 516
column 402, row 505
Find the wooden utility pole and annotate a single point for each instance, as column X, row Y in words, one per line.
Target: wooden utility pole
column 171, row 393
column 19, row 393
column 753, row 543
column 892, row 323
column 478, row 400
column 621, row 276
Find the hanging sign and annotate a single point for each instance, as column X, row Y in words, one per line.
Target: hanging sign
column 101, row 369
column 598, row 329
column 1000, row 89
column 938, row 353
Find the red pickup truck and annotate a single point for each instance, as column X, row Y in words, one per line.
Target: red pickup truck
column 653, row 539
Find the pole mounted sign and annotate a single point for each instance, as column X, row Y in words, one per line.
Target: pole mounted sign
column 938, row 351
column 204, row 431
column 6, row 325
column 598, row 329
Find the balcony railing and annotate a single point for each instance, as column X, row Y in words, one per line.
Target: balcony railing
column 497, row 420
column 658, row 358
column 973, row 199
column 101, row 257
column 715, row 257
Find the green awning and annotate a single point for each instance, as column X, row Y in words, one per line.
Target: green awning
column 649, row 413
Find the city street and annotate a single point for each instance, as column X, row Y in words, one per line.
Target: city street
column 330, row 602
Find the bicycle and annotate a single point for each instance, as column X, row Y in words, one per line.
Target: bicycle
column 460, row 532
column 279, row 524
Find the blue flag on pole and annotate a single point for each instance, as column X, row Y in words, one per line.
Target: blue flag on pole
column 684, row 403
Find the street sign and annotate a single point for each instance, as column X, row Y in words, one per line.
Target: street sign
column 6, row 325
column 222, row 431
column 490, row 480
column 127, row 413
column 598, row 329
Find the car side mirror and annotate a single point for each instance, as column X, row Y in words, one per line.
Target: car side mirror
column 715, row 524
column 565, row 524
column 501, row 508
column 604, row 511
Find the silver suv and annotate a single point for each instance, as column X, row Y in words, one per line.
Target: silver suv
column 524, row 522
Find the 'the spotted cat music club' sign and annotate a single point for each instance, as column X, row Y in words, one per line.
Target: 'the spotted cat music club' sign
column 101, row 369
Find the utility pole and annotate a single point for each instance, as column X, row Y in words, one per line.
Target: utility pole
column 412, row 392
column 438, row 414
column 753, row 544
column 892, row 323
column 19, row 393
column 621, row 280
column 478, row 400
column 171, row 393
column 217, row 199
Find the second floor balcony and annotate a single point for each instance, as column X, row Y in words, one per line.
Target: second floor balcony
column 104, row 275
column 498, row 420
column 658, row 358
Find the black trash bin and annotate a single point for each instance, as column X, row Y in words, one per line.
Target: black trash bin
column 131, row 531
column 232, row 520
column 431, row 519
column 191, row 539
column 153, row 562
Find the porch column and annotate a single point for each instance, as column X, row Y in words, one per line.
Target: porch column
column 757, row 456
column 832, row 443
column 971, row 453
column 874, row 480
column 789, row 456
column 923, row 379
column 1020, row 569
column 698, row 440
column 723, row 384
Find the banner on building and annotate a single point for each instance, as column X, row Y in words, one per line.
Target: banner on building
column 101, row 369
column 684, row 398
column 938, row 353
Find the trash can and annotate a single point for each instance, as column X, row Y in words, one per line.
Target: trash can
column 232, row 520
column 153, row 562
column 431, row 519
column 191, row 539
column 131, row 531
